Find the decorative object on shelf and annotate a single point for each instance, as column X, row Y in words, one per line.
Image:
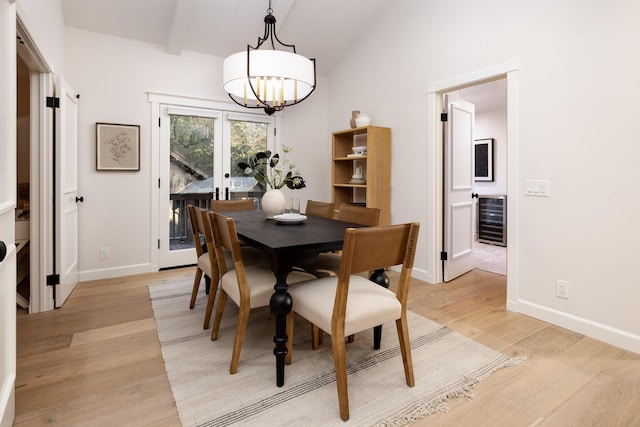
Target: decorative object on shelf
column 363, row 120
column 358, row 177
column 352, row 123
column 269, row 171
column 360, row 150
column 268, row 78
column 117, row 147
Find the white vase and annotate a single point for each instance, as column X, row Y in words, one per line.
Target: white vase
column 273, row 203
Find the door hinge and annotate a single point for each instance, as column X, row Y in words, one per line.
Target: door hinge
column 159, row 121
column 274, row 131
column 158, row 182
column 443, row 256
column 53, row 279
column 444, row 117
column 53, row 102
column 158, row 243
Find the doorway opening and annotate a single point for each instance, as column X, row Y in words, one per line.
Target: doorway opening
column 435, row 159
column 33, row 221
column 490, row 183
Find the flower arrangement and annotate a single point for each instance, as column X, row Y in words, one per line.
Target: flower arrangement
column 269, row 170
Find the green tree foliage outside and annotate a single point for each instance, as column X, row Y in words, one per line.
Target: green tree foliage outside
column 192, row 137
column 247, row 138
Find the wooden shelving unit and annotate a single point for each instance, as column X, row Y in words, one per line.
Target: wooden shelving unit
column 376, row 166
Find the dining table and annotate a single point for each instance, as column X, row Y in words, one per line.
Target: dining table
column 285, row 245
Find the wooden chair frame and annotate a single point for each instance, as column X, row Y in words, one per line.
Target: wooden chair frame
column 364, row 249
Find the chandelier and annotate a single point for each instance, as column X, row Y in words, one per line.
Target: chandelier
column 266, row 78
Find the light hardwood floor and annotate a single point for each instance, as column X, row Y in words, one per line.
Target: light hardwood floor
column 97, row 361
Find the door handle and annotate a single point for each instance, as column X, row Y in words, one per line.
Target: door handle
column 474, row 195
column 217, row 193
column 80, row 199
column 226, row 193
column 3, row 251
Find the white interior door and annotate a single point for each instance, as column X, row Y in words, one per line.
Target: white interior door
column 458, row 182
column 66, row 201
column 7, row 211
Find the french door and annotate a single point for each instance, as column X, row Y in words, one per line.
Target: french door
column 199, row 152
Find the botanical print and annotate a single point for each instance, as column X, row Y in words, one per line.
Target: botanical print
column 117, row 147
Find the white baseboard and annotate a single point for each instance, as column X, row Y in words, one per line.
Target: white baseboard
column 417, row 273
column 108, row 273
column 599, row 331
column 7, row 401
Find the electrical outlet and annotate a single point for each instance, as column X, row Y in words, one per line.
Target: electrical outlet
column 104, row 252
column 562, row 289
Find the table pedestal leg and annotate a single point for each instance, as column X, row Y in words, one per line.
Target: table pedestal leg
column 381, row 278
column 280, row 305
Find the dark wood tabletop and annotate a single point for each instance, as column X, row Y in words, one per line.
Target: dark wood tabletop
column 286, row 245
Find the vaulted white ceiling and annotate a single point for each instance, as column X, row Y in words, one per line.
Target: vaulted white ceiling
column 321, row 29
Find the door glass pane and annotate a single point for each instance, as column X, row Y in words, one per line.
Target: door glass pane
column 190, row 172
column 247, row 138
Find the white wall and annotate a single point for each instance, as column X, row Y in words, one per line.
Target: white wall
column 577, row 128
column 45, row 23
column 493, row 124
column 113, row 76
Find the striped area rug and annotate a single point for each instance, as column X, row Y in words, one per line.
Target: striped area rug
column 446, row 366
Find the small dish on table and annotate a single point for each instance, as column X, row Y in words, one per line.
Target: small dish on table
column 290, row 219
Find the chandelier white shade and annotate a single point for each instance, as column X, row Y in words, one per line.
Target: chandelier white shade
column 288, row 75
column 268, row 78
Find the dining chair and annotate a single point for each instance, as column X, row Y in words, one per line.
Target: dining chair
column 248, row 286
column 232, row 205
column 329, row 263
column 349, row 303
column 203, row 241
column 321, row 209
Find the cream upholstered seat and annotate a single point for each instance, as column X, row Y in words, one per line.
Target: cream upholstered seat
column 247, row 286
column 350, row 303
column 206, row 261
column 321, row 209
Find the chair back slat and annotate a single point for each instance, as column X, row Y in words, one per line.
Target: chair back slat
column 373, row 248
column 232, row 205
column 368, row 217
column 196, row 227
column 226, row 236
column 321, row 209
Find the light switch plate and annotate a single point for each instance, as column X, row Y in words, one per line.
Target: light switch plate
column 537, row 187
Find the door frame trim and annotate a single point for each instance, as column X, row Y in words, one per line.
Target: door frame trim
column 435, row 155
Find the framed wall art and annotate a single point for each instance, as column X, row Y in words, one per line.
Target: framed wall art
column 117, row 147
column 484, row 159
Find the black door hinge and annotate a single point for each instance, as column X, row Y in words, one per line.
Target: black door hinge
column 53, row 279
column 53, row 102
column 443, row 256
column 158, row 243
column 444, row 117
column 159, row 122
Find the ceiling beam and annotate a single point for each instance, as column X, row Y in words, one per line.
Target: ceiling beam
column 180, row 26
